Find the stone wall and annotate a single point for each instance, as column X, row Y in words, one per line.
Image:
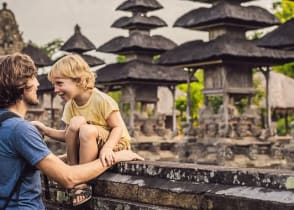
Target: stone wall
column 168, row 185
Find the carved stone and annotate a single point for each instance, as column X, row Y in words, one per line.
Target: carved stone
column 10, row 38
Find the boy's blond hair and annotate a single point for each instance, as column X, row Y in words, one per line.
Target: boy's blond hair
column 73, row 67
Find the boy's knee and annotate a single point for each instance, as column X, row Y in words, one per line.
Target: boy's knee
column 87, row 132
column 76, row 123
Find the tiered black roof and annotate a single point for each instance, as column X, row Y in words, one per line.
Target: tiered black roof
column 139, row 6
column 91, row 60
column 139, row 22
column 282, row 37
column 139, row 71
column 78, row 43
column 226, row 49
column 226, row 13
column 40, row 58
column 139, row 45
column 137, row 42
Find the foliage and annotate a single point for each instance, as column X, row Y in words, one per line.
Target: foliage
column 260, row 92
column 215, row 102
column 284, row 9
column 116, row 95
column 287, row 69
column 255, row 35
column 51, row 47
column 155, row 57
column 196, row 97
column 121, row 58
column 280, row 126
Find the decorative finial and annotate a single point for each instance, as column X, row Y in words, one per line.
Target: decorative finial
column 77, row 29
column 4, row 5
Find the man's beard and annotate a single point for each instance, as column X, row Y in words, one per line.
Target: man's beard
column 30, row 101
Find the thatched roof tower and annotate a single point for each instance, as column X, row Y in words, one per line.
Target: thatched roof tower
column 138, row 78
column 227, row 59
column 40, row 58
column 80, row 44
column 280, row 38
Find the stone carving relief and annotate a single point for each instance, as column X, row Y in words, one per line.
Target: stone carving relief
column 242, row 125
column 150, row 126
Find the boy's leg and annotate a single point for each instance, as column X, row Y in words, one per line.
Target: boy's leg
column 72, row 139
column 88, row 141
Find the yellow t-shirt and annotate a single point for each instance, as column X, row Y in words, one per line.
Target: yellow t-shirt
column 96, row 111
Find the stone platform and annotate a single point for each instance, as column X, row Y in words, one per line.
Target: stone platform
column 167, row 185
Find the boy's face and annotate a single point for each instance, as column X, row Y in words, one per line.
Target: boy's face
column 65, row 88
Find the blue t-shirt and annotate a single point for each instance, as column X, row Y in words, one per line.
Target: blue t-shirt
column 21, row 144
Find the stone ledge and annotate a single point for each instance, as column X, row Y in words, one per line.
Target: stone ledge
column 269, row 178
column 167, row 185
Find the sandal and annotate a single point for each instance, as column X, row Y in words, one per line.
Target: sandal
column 85, row 192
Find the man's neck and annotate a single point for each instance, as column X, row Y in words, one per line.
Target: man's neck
column 19, row 109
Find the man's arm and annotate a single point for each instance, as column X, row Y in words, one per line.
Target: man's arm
column 70, row 176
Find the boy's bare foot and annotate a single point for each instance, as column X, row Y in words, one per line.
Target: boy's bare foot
column 126, row 155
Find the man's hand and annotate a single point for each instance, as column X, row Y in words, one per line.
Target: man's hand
column 107, row 156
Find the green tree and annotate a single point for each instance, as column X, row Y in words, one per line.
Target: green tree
column 196, row 97
column 121, row 59
column 51, row 47
column 284, row 10
column 287, row 69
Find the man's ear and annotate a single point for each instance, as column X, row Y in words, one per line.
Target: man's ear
column 21, row 93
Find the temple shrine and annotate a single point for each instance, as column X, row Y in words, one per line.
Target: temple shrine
column 138, row 79
column 228, row 59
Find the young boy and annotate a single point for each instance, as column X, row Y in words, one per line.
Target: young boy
column 94, row 126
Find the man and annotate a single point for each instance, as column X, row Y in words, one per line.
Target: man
column 22, row 150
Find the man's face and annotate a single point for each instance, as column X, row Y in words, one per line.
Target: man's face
column 65, row 88
column 30, row 92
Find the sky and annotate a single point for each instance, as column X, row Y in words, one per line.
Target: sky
column 42, row 21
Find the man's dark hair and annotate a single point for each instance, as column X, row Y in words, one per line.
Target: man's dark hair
column 15, row 71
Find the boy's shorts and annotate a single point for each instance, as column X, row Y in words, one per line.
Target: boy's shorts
column 122, row 144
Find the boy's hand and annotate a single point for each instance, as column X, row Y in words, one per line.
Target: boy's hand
column 40, row 126
column 107, row 156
